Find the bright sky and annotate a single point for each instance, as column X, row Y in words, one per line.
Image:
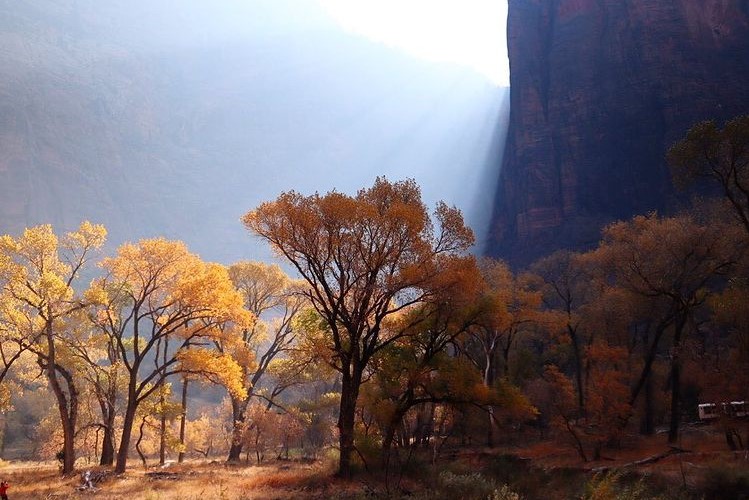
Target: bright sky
column 467, row 32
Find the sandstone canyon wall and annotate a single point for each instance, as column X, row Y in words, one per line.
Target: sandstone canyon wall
column 599, row 90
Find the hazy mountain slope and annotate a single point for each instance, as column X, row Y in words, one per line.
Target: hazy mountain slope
column 175, row 118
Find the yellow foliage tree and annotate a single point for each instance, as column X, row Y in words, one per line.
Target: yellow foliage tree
column 157, row 300
column 266, row 291
column 37, row 273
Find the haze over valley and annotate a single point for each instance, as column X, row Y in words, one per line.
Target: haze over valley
column 157, row 118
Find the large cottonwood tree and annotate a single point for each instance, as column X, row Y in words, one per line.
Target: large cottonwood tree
column 163, row 307
column 38, row 271
column 365, row 257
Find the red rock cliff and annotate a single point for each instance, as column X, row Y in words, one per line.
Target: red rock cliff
column 599, row 90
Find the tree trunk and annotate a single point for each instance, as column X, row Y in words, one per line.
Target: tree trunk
column 649, row 359
column 107, row 445
column 237, row 410
column 576, row 438
column 350, row 385
column 162, row 430
column 137, row 443
column 162, row 399
column 673, row 429
column 506, row 356
column 389, row 436
column 127, row 430
column 68, row 432
column 183, row 418
column 647, row 426
column 489, row 378
column 578, row 370
column 429, row 429
column 107, row 405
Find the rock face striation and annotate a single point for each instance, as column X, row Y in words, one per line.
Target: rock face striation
column 599, row 90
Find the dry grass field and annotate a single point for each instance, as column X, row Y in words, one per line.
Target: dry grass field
column 192, row 480
column 548, row 470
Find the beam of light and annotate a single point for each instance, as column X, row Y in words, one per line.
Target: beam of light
column 466, row 32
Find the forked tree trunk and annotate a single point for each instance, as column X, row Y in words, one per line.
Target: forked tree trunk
column 389, row 437
column 67, row 403
column 650, row 355
column 108, row 404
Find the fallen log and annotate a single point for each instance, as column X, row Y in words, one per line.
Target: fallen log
column 674, row 450
column 162, row 475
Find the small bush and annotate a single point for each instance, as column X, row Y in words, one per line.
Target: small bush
column 369, row 451
column 614, row 486
column 468, row 485
column 471, row 486
column 504, row 493
column 726, row 482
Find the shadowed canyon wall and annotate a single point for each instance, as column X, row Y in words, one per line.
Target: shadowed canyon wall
column 599, row 90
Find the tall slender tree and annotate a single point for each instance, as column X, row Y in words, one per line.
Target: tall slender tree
column 510, row 309
column 266, row 290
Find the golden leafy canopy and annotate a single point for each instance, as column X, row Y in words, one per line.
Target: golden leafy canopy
column 214, row 366
column 172, row 284
column 364, row 257
column 36, row 270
